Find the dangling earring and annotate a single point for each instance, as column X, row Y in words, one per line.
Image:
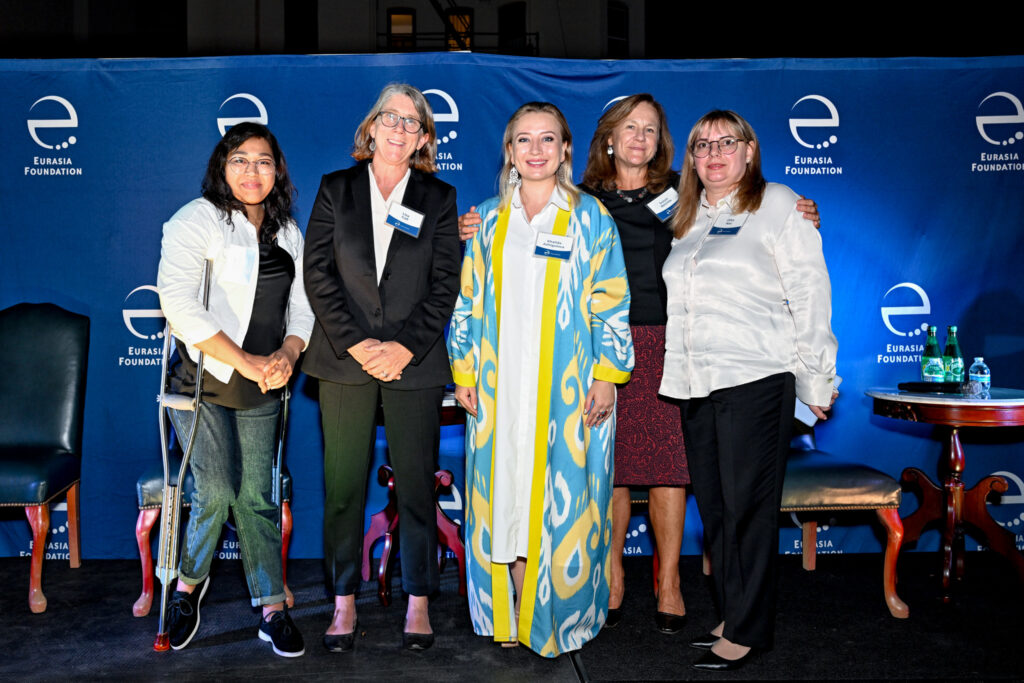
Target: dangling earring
column 611, row 151
column 373, row 144
column 513, row 177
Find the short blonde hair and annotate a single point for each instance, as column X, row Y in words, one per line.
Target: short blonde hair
column 564, row 175
column 422, row 159
column 751, row 185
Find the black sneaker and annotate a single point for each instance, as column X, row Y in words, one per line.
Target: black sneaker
column 183, row 615
column 280, row 631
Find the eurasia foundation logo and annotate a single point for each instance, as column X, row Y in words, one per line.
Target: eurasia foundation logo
column 906, row 320
column 1010, row 503
column 145, row 321
column 816, row 133
column 1000, row 123
column 259, row 116
column 54, row 113
column 446, row 115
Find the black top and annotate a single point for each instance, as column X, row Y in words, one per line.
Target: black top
column 263, row 336
column 646, row 242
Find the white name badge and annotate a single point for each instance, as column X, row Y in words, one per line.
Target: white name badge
column 405, row 220
column 664, row 205
column 729, row 224
column 553, row 246
column 240, row 263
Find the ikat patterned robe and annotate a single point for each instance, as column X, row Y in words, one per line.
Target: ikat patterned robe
column 584, row 335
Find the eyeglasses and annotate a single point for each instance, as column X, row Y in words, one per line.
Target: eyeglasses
column 390, row 119
column 240, row 165
column 726, row 145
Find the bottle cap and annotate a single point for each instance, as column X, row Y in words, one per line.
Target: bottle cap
column 978, row 359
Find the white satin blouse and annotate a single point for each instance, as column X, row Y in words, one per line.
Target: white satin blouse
column 750, row 304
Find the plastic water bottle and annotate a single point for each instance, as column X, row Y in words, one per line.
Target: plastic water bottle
column 980, row 373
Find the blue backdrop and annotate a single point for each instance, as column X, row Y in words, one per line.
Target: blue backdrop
column 915, row 164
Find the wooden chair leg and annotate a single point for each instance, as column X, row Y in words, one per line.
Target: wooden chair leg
column 286, row 541
column 890, row 518
column 39, row 520
column 809, row 540
column 143, row 525
column 74, row 547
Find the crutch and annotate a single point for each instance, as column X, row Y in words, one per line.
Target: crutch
column 170, row 514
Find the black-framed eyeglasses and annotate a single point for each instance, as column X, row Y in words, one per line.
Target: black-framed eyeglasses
column 727, row 145
column 390, row 119
column 240, row 165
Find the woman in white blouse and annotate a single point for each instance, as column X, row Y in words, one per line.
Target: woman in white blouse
column 749, row 309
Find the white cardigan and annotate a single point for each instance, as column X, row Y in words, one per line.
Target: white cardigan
column 197, row 232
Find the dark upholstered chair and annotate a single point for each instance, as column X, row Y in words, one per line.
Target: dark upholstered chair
column 43, row 400
column 150, row 492
column 817, row 481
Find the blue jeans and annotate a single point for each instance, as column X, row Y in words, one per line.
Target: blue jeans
column 232, row 464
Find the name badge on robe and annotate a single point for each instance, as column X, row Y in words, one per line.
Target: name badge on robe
column 664, row 205
column 553, row 246
column 729, row 224
column 405, row 220
column 240, row 264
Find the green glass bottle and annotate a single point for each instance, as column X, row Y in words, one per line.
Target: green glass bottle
column 953, row 357
column 932, row 369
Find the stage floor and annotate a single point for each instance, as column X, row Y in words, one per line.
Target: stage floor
column 832, row 624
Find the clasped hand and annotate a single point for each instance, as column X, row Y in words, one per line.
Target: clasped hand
column 382, row 360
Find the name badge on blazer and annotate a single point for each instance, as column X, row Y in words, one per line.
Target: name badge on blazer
column 553, row 246
column 404, row 219
column 729, row 224
column 664, row 205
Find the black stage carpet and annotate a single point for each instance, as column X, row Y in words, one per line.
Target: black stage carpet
column 832, row 624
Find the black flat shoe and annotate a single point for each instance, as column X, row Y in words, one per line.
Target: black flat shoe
column 417, row 642
column 704, row 642
column 613, row 618
column 709, row 661
column 341, row 642
column 669, row 623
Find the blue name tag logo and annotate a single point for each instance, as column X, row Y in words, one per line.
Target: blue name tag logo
column 408, row 229
column 553, row 253
column 725, row 231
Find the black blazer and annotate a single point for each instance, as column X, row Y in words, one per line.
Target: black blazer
column 416, row 294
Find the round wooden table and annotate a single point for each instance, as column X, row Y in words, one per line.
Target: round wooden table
column 958, row 508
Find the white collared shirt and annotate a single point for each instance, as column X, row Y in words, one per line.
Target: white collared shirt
column 748, row 305
column 382, row 232
column 198, row 231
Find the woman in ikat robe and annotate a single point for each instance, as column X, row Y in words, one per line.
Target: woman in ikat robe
column 539, row 337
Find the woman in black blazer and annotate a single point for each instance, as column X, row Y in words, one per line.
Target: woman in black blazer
column 382, row 273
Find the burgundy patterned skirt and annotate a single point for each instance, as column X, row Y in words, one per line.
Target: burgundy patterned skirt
column 649, row 447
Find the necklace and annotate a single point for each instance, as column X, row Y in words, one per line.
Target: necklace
column 628, row 199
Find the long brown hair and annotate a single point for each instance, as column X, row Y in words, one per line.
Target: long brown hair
column 600, row 172
column 751, row 186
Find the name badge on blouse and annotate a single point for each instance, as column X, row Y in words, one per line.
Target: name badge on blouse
column 664, row 205
column 553, row 246
column 729, row 224
column 239, row 264
column 405, row 220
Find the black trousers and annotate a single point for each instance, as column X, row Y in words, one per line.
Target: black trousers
column 737, row 440
column 412, row 423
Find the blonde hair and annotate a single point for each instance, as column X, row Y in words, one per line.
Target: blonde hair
column 751, row 185
column 600, row 173
column 422, row 159
column 564, row 175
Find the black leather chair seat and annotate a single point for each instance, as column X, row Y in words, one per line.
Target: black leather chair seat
column 150, row 486
column 35, row 474
column 816, row 480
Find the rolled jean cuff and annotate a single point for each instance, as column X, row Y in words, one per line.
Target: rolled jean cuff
column 270, row 600
column 188, row 580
